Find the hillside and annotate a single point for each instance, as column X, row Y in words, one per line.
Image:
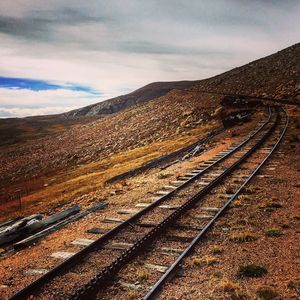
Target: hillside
column 277, row 75
column 139, row 96
column 152, row 121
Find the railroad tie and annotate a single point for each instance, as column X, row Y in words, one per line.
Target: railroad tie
column 82, row 242
column 142, row 205
column 168, row 187
column 62, row 255
column 127, row 211
column 162, row 193
column 167, row 250
column 118, row 246
column 210, row 209
column 177, row 182
column 165, row 206
column 96, row 230
column 159, row 268
column 203, row 216
column 113, row 220
column 36, row 271
column 132, row 286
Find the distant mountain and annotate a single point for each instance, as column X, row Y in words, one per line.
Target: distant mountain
column 276, row 75
column 142, row 95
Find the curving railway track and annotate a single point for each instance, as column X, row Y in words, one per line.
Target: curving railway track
column 108, row 264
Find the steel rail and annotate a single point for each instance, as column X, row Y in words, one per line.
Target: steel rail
column 105, row 276
column 68, row 263
column 154, row 291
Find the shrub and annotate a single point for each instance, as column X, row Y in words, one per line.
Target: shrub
column 252, row 271
column 273, row 204
column 273, row 232
column 266, row 293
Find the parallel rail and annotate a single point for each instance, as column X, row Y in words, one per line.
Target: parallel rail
column 154, row 291
column 106, row 274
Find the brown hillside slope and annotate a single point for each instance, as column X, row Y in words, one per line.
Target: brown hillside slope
column 277, row 75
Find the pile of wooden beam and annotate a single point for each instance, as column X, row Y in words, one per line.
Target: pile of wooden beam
column 22, row 232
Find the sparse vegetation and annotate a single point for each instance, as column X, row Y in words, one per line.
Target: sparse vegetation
column 163, row 175
column 143, row 275
column 207, row 260
column 273, row 232
column 294, row 285
column 266, row 293
column 133, row 295
column 273, row 204
column 234, row 289
column 243, row 236
column 228, row 285
column 252, row 270
column 216, row 249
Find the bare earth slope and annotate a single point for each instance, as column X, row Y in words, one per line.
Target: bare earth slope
column 277, row 75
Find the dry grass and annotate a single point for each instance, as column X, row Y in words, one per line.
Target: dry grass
column 243, row 236
column 273, row 232
column 132, row 295
column 233, row 289
column 208, row 260
column 216, row 249
column 73, row 183
column 143, row 275
column 266, row 293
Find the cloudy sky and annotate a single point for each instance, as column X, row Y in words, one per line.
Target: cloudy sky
column 56, row 55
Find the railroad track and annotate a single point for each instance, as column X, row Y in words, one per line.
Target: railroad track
column 105, row 257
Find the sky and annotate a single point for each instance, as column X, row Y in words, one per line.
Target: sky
column 58, row 55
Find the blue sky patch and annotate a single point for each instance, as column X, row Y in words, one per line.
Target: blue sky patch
column 42, row 85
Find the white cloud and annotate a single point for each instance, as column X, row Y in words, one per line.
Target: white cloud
column 116, row 46
column 17, row 112
column 22, row 102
